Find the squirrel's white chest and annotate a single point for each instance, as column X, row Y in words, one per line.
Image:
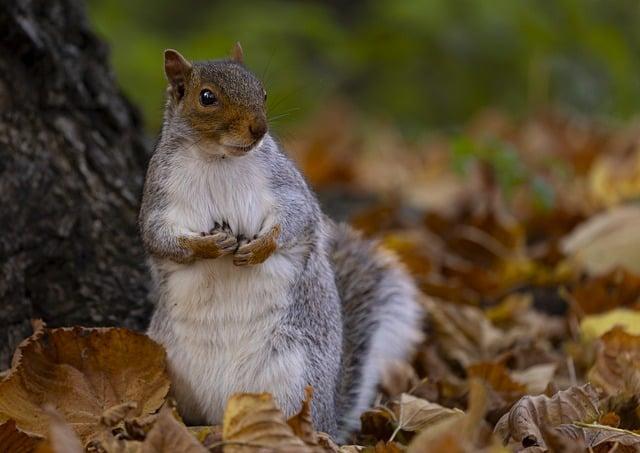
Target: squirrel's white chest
column 225, row 319
column 235, row 191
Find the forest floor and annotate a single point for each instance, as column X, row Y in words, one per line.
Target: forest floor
column 523, row 235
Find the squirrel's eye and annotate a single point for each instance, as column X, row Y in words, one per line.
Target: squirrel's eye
column 207, row 97
column 265, row 96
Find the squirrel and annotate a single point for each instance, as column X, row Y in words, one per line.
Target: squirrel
column 257, row 290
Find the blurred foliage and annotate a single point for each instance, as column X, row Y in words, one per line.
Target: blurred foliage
column 420, row 63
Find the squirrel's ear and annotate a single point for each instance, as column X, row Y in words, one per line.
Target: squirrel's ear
column 236, row 53
column 177, row 68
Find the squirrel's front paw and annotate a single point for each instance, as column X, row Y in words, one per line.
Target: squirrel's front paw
column 217, row 243
column 256, row 251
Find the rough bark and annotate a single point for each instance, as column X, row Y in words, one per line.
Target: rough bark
column 72, row 161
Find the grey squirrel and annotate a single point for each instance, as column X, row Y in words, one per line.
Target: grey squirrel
column 256, row 289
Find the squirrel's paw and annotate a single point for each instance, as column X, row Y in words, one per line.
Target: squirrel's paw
column 257, row 250
column 221, row 228
column 208, row 246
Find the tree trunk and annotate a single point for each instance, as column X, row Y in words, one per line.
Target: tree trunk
column 72, row 161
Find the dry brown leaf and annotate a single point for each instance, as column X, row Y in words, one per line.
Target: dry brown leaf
column 617, row 366
column 498, row 378
column 610, row 419
column 615, row 177
column 607, row 241
column 169, row 435
column 252, row 421
column 457, row 434
column 524, row 421
column 536, row 378
column 61, row 437
column 398, row 377
column 377, row 423
column 301, row 423
column 463, row 333
column 615, row 289
column 15, row 441
column 388, row 447
column 594, row 435
column 83, row 372
column 415, row 414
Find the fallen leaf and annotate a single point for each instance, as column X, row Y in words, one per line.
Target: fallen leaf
column 499, row 379
column 169, row 435
column 61, row 437
column 606, row 241
column 462, row 332
column 594, row 326
column 615, row 177
column 460, row 433
column 388, row 447
column 594, row 435
column 378, row 423
column 208, row 436
column 83, row 372
column 414, row 414
column 535, row 378
column 301, row 423
column 398, row 377
column 616, row 289
column 610, row 419
column 15, row 441
column 524, row 421
column 617, row 366
column 253, row 421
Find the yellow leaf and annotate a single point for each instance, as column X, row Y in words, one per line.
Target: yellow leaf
column 594, row 326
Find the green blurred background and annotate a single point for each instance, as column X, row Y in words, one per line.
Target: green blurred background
column 420, row 64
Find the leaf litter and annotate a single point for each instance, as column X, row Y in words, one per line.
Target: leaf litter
column 523, row 236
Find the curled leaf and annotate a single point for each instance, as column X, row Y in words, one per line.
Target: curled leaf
column 169, row 435
column 524, row 422
column 594, row 435
column 61, row 437
column 617, row 366
column 83, row 372
column 301, row 423
column 252, row 421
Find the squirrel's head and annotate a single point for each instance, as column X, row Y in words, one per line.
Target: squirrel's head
column 220, row 102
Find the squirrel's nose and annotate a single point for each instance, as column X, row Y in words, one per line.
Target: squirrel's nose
column 258, row 129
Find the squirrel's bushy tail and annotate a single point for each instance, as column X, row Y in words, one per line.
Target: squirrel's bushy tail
column 381, row 318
